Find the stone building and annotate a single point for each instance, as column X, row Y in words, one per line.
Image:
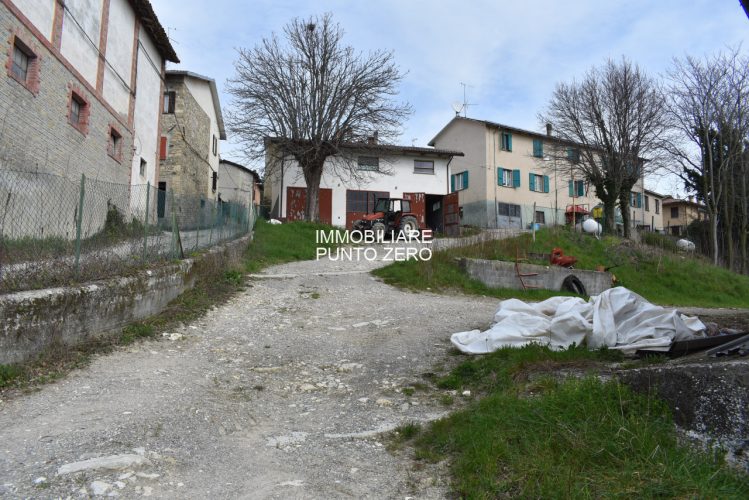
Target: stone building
column 81, row 95
column 191, row 130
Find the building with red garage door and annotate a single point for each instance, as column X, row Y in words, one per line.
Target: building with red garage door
column 354, row 180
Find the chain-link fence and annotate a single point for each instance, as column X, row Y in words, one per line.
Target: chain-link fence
column 54, row 231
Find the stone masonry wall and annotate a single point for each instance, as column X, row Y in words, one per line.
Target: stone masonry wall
column 186, row 169
column 35, row 133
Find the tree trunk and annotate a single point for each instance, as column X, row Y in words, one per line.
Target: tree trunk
column 312, row 175
column 626, row 216
column 609, row 214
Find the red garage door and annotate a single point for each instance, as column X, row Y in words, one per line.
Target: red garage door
column 296, row 201
column 418, row 207
column 361, row 203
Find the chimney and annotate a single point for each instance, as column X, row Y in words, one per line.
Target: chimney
column 548, row 129
column 372, row 140
column 691, row 198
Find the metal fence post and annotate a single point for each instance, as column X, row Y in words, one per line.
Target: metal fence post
column 145, row 226
column 78, row 225
column 213, row 220
column 174, row 223
column 200, row 216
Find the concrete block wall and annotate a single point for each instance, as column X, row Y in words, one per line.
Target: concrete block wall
column 33, row 322
column 502, row 274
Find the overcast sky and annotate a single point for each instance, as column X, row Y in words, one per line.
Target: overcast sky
column 510, row 54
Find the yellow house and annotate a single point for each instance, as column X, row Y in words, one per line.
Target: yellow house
column 678, row 214
column 510, row 177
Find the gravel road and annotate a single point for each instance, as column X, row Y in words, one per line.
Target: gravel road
column 283, row 392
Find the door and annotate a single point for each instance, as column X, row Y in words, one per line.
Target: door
column 161, row 201
column 296, row 202
column 418, row 207
column 360, row 203
column 451, row 211
column 509, row 215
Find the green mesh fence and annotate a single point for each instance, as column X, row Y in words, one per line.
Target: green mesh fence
column 56, row 231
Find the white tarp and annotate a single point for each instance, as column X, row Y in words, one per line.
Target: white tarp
column 618, row 319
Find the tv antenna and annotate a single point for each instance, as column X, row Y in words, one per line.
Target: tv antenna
column 458, row 107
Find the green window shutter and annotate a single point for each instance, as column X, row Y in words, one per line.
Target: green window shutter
column 509, row 142
column 516, row 178
column 452, row 183
column 572, row 189
column 546, row 183
column 639, row 200
column 580, row 188
column 538, row 148
column 531, row 182
column 465, row 179
column 499, row 176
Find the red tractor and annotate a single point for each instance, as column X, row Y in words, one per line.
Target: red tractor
column 390, row 216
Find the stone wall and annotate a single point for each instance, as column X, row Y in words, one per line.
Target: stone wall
column 186, row 169
column 32, row 322
column 502, row 274
column 35, row 134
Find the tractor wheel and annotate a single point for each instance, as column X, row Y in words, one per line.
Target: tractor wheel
column 408, row 226
column 378, row 228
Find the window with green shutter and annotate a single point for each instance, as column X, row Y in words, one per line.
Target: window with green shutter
column 538, row 183
column 506, row 141
column 538, row 148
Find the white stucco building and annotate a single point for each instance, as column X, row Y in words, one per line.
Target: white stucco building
column 380, row 171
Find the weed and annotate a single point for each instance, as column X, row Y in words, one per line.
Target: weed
column 447, row 400
column 315, row 295
column 9, row 373
column 408, row 391
column 136, row 331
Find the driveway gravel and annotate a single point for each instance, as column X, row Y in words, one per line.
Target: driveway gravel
column 283, row 392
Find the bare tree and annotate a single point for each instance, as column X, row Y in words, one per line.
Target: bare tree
column 313, row 96
column 709, row 104
column 616, row 117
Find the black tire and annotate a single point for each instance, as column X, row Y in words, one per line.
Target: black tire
column 379, row 230
column 408, row 225
column 573, row 284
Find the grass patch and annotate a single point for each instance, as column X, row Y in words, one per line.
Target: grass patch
column 655, row 272
column 578, row 437
column 281, row 243
column 8, row 373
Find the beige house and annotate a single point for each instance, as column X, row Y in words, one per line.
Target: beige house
column 678, row 214
column 238, row 183
column 510, row 177
column 652, row 211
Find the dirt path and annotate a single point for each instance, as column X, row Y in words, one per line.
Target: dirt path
column 281, row 393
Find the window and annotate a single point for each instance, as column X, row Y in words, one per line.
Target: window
column 538, row 183
column 577, row 190
column 23, row 65
column 506, row 141
column 215, row 146
column 573, row 155
column 647, row 203
column 508, row 210
column 214, row 181
column 143, row 167
column 538, row 148
column 674, row 212
column 423, row 167
column 635, row 200
column 114, row 145
column 363, row 201
column 78, row 111
column 657, row 206
column 459, row 181
column 540, row 217
column 504, row 177
column 163, row 148
column 169, row 99
column 371, row 163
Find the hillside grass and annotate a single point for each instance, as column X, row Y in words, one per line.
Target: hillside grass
column 533, row 435
column 281, row 243
column 655, row 271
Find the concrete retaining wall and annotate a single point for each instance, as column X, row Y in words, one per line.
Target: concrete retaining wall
column 502, row 274
column 34, row 321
